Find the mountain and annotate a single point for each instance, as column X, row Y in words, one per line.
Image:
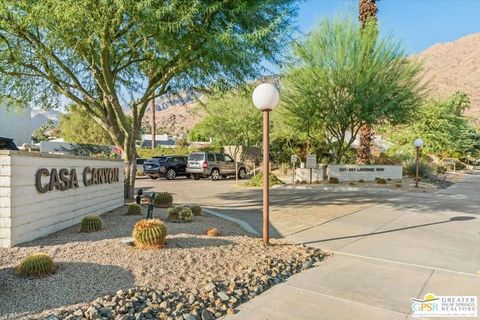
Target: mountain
column 39, row 117
column 176, row 119
column 455, row 66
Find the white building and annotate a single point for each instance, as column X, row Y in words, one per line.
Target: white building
column 16, row 124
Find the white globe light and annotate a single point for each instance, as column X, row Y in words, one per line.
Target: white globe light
column 265, row 97
column 418, row 143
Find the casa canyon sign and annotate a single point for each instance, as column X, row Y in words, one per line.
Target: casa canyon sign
column 64, row 179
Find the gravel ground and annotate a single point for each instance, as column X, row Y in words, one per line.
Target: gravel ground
column 97, row 264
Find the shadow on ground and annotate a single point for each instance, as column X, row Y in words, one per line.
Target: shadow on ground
column 73, row 282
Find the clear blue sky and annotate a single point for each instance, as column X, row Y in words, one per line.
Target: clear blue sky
column 417, row 23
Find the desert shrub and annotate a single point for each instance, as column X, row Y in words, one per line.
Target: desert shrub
column 361, row 181
column 304, row 182
column 179, row 214
column 333, row 180
column 196, row 210
column 134, row 209
column 36, row 265
column 212, row 232
column 398, row 185
column 90, row 223
column 257, row 181
column 381, row 181
column 149, row 233
column 409, row 168
column 351, row 184
column 163, row 200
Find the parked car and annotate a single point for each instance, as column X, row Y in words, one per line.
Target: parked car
column 7, row 144
column 213, row 165
column 165, row 166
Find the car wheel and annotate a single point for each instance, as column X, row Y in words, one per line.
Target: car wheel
column 215, row 175
column 242, row 173
column 196, row 177
column 171, row 174
column 153, row 177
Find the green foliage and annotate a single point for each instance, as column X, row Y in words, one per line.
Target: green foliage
column 45, row 132
column 78, row 126
column 36, row 265
column 343, row 78
column 196, row 210
column 163, row 200
column 231, row 119
column 381, row 181
column 90, row 223
column 134, row 209
column 257, row 181
column 112, row 57
column 409, row 168
column 333, row 180
column 179, row 214
column 149, row 233
column 147, row 153
column 446, row 132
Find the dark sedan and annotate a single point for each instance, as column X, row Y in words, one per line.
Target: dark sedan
column 165, row 166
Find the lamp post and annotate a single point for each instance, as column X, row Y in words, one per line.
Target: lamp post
column 418, row 143
column 266, row 97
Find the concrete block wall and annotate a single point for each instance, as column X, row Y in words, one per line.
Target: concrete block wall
column 28, row 214
column 364, row 172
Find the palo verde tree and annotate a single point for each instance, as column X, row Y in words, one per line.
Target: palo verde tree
column 332, row 89
column 111, row 57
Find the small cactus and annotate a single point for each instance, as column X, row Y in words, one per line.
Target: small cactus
column 333, row 180
column 381, row 181
column 179, row 214
column 149, row 233
column 163, row 200
column 134, row 209
column 212, row 232
column 90, row 223
column 196, row 210
column 36, row 265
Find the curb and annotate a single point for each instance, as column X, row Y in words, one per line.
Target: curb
column 244, row 225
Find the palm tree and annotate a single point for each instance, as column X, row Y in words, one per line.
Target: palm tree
column 367, row 12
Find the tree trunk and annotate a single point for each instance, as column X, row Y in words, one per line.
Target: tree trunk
column 130, row 162
column 154, row 125
column 364, row 152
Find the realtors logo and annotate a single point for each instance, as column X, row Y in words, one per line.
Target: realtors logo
column 444, row 306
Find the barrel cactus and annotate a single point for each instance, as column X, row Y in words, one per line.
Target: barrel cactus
column 179, row 214
column 90, row 223
column 134, row 209
column 36, row 265
column 163, row 200
column 196, row 210
column 149, row 233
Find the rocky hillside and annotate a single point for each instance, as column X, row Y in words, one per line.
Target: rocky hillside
column 455, row 66
column 176, row 119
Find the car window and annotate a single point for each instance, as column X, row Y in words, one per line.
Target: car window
column 196, row 156
column 228, row 158
column 158, row 159
column 141, row 161
column 210, row 157
column 179, row 160
column 220, row 157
